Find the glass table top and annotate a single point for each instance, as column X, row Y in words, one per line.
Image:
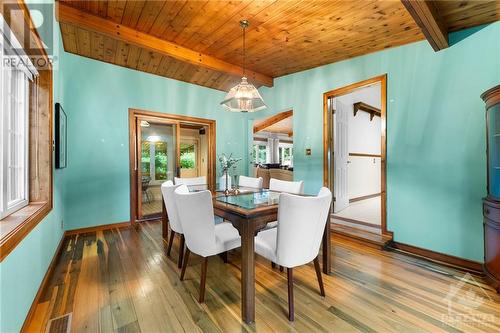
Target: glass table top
column 251, row 200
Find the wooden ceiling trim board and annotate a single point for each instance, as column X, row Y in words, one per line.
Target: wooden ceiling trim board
column 272, row 120
column 83, row 41
column 132, row 12
column 133, row 56
column 69, row 38
column 103, row 8
column 293, row 31
column 116, row 9
column 67, row 14
column 186, row 15
column 212, row 31
column 97, row 43
column 110, row 49
column 122, row 53
column 162, row 69
column 232, row 31
column 144, row 59
column 333, row 54
column 256, row 30
column 199, row 21
column 154, row 63
column 149, row 14
column 466, row 14
column 164, row 19
column 430, row 22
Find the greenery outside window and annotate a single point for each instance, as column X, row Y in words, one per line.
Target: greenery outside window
column 188, row 156
column 154, row 160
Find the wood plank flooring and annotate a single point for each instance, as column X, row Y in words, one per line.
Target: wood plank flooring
column 120, row 280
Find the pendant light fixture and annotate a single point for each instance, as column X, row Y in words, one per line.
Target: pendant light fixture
column 243, row 97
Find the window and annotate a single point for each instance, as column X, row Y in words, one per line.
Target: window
column 15, row 73
column 260, row 153
column 285, row 154
column 188, row 156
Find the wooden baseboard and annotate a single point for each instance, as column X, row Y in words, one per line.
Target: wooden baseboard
column 98, row 228
column 42, row 286
column 441, row 258
column 365, row 197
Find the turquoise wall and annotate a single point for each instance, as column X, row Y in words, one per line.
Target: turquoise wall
column 97, row 98
column 22, row 271
column 436, row 165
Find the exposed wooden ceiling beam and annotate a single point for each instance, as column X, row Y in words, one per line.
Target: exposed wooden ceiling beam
column 69, row 15
column 272, row 120
column 427, row 17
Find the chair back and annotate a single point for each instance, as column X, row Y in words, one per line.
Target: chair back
column 252, row 182
column 195, row 183
column 301, row 223
column 286, row 186
column 196, row 214
column 167, row 190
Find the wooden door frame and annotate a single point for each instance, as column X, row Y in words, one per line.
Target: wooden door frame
column 328, row 139
column 170, row 118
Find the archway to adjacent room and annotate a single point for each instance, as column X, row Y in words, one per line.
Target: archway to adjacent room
column 272, row 147
column 354, row 142
column 164, row 146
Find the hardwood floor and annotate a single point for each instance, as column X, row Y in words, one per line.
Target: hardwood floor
column 121, row 280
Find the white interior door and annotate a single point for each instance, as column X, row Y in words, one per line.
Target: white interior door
column 341, row 157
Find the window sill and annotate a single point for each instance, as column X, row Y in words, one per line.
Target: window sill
column 16, row 226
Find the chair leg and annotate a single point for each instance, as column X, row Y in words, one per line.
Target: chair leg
column 273, row 265
column 320, row 278
column 170, row 241
column 184, row 264
column 223, row 256
column 203, row 278
column 290, row 294
column 281, row 268
column 181, row 251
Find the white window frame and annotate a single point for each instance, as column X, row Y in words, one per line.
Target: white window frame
column 256, row 151
column 17, row 56
column 286, row 145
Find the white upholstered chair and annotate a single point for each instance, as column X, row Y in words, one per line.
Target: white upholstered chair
column 195, row 183
column 252, row 182
column 286, row 186
column 167, row 190
column 297, row 239
column 203, row 237
column 277, row 185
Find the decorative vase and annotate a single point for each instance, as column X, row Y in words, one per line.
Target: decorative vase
column 225, row 182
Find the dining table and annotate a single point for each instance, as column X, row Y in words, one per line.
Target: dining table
column 249, row 211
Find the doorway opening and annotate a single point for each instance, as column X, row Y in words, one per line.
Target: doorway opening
column 162, row 147
column 354, row 157
column 272, row 147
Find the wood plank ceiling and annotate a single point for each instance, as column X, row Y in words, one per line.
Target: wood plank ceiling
column 284, row 36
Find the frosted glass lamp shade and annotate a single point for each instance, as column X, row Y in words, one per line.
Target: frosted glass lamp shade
column 243, row 98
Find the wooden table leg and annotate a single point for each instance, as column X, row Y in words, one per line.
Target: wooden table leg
column 247, row 234
column 327, row 248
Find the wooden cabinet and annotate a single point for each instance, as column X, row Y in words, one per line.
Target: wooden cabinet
column 491, row 204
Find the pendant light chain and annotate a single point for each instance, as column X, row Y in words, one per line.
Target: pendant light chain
column 244, row 51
